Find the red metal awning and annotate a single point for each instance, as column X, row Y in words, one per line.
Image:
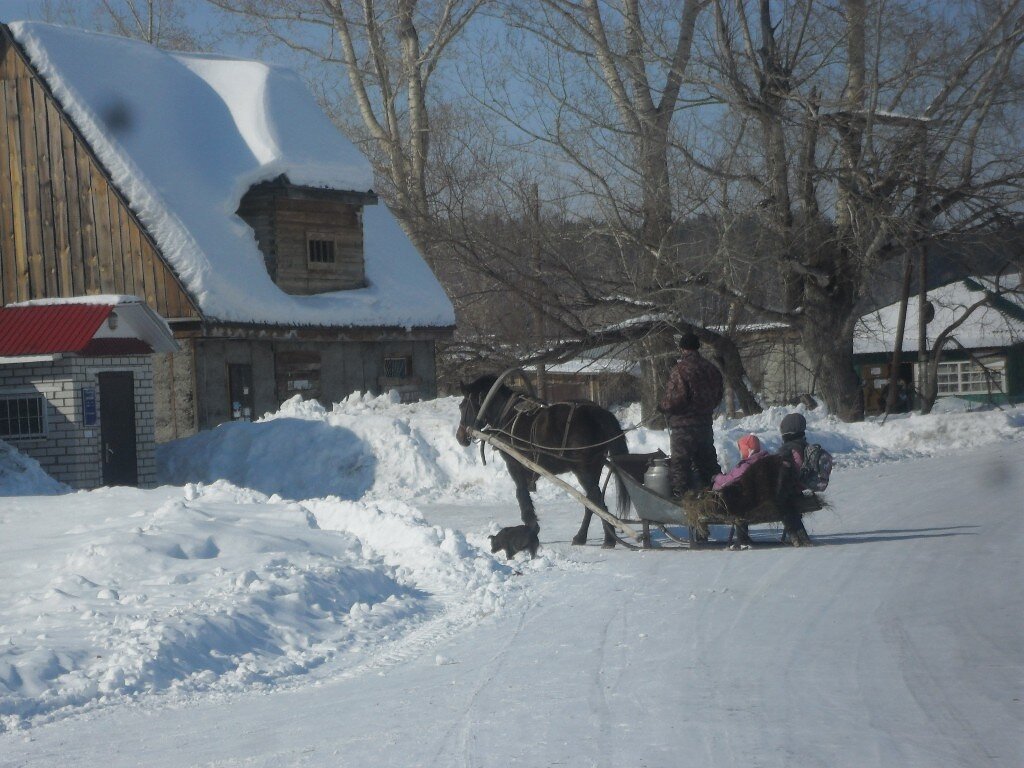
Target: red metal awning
column 49, row 329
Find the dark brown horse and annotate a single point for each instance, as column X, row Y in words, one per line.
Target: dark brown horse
column 574, row 436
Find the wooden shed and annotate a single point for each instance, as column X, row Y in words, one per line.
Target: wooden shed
column 604, row 375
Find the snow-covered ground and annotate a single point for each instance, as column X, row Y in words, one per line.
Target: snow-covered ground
column 316, row 589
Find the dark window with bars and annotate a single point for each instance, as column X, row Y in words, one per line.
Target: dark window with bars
column 397, row 367
column 321, row 251
column 22, row 416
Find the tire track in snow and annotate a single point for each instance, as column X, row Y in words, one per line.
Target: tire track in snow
column 599, row 686
column 932, row 698
column 458, row 739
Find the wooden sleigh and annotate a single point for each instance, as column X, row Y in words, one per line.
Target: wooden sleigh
column 683, row 523
column 696, row 510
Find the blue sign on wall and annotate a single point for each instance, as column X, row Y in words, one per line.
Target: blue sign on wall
column 89, row 406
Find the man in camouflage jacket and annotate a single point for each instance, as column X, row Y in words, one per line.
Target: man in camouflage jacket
column 693, row 392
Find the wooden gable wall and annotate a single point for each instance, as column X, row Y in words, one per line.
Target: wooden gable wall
column 64, row 229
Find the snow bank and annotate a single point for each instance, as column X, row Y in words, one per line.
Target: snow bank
column 898, row 437
column 220, row 588
column 21, row 475
column 364, row 448
column 212, row 586
column 378, row 448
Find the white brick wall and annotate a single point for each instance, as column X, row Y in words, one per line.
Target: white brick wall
column 70, row 452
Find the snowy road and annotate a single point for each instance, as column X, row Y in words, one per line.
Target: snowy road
column 897, row 642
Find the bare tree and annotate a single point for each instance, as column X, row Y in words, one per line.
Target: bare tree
column 375, row 65
column 862, row 129
column 599, row 92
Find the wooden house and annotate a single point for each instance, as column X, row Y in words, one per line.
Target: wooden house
column 983, row 358
column 218, row 191
column 604, row 375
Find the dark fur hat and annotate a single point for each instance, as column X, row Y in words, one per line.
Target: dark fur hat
column 793, row 424
column 689, row 340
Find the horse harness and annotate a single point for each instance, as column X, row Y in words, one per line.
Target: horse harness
column 519, row 405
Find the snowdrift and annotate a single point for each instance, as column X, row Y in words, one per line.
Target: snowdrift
column 222, row 588
column 377, row 448
column 21, row 475
column 363, row 448
column 283, row 544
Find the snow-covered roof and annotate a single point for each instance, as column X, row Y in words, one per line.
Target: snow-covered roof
column 988, row 326
column 594, row 366
column 184, row 136
column 610, row 358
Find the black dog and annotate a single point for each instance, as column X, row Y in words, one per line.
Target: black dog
column 516, row 538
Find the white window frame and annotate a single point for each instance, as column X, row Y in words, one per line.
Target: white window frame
column 36, row 396
column 968, row 377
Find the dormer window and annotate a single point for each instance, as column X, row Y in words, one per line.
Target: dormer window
column 311, row 238
column 320, row 251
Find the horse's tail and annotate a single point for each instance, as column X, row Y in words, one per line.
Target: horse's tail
column 617, row 446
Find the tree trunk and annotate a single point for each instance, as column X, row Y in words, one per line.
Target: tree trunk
column 825, row 335
column 727, row 356
column 897, row 350
column 658, row 358
column 928, row 391
column 840, row 385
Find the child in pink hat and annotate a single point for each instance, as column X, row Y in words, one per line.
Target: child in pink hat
column 750, row 451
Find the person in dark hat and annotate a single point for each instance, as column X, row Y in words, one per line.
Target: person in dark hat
column 693, row 391
column 794, row 436
column 794, row 445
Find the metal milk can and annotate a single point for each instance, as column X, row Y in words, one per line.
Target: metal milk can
column 657, row 478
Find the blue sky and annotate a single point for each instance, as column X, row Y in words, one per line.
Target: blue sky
column 12, row 10
column 199, row 14
column 17, row 10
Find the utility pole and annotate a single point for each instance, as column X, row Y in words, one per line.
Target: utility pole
column 923, row 315
column 901, row 323
column 538, row 313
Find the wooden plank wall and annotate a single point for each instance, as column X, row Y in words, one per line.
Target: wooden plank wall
column 298, row 221
column 64, row 229
column 283, row 227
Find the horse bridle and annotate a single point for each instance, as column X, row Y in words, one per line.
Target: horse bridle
column 471, row 418
column 470, row 421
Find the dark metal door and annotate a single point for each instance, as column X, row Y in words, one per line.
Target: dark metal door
column 117, row 428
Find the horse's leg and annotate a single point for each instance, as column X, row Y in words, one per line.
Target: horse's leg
column 526, row 511
column 590, row 479
column 581, row 535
